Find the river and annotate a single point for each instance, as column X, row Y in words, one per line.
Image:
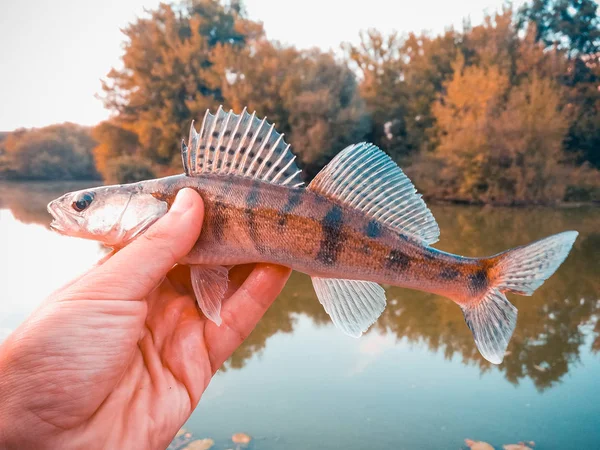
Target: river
column 414, row 381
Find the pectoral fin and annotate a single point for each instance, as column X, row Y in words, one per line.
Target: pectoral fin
column 210, row 286
column 352, row 305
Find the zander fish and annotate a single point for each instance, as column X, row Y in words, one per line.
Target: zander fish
column 360, row 222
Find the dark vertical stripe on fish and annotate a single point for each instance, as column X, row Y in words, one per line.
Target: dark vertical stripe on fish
column 251, row 203
column 220, row 217
column 333, row 237
column 294, row 199
column 219, row 222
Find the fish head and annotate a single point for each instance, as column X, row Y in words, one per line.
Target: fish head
column 113, row 215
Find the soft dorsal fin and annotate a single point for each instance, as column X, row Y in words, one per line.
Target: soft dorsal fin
column 241, row 145
column 364, row 177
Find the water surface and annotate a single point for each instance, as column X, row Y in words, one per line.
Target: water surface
column 415, row 380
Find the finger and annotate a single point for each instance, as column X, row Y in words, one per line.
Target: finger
column 237, row 276
column 243, row 310
column 136, row 270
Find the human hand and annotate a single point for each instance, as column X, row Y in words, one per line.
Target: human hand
column 120, row 357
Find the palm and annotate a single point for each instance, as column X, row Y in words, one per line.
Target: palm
column 137, row 368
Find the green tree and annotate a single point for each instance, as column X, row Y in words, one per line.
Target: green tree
column 573, row 25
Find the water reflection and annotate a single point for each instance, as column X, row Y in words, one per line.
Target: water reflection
column 553, row 327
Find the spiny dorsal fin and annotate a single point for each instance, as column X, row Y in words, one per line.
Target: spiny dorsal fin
column 241, row 145
column 364, row 177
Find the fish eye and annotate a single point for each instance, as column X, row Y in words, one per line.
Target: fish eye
column 83, row 201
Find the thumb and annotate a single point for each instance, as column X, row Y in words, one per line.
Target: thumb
column 136, row 270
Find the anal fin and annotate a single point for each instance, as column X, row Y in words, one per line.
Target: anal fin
column 353, row 305
column 210, row 286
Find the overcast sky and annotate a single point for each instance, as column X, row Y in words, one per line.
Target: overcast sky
column 54, row 53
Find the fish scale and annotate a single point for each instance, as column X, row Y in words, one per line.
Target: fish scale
column 359, row 223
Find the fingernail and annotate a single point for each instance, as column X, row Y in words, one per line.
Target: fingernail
column 183, row 201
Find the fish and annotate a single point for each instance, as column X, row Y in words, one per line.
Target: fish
column 358, row 224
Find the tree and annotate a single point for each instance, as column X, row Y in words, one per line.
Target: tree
column 57, row 152
column 401, row 78
column 573, row 25
column 498, row 151
column 308, row 95
column 379, row 60
column 526, row 145
column 493, row 43
column 114, row 141
column 472, row 95
column 429, row 65
column 167, row 77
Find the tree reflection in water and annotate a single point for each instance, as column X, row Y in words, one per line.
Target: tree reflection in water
column 553, row 325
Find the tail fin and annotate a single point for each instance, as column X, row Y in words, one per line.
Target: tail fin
column 521, row 270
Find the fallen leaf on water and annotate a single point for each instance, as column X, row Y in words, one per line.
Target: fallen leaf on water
column 478, row 445
column 519, row 446
column 241, row 438
column 200, row 444
column 180, row 432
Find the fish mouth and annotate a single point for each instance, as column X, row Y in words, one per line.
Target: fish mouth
column 61, row 219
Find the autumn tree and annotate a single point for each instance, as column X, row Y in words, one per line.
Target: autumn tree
column 378, row 59
column 472, row 96
column 310, row 96
column 525, row 142
column 56, row 152
column 429, row 64
column 167, row 77
column 401, row 77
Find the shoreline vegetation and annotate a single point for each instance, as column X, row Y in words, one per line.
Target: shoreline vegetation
column 504, row 113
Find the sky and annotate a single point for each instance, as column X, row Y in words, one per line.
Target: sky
column 54, row 53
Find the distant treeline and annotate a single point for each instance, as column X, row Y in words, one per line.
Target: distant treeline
column 504, row 112
column 57, row 152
